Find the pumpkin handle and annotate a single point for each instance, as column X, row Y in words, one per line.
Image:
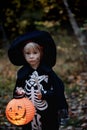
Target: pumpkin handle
column 19, row 96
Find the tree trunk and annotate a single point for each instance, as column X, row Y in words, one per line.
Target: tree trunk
column 81, row 38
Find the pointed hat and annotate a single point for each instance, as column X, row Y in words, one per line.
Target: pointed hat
column 42, row 38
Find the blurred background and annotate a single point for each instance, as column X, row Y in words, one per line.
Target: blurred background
column 66, row 21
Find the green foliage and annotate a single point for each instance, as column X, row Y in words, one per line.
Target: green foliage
column 19, row 16
column 5, row 96
column 74, row 122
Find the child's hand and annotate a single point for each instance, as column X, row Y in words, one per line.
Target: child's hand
column 39, row 95
column 20, row 91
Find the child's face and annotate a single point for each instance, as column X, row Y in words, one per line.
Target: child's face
column 32, row 55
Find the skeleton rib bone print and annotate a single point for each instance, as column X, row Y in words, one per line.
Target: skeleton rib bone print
column 33, row 85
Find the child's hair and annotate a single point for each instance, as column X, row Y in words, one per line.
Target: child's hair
column 34, row 46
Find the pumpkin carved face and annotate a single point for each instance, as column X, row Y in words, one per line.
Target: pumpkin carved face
column 20, row 111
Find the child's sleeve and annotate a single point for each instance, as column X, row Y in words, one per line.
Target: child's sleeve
column 60, row 92
column 56, row 92
column 62, row 104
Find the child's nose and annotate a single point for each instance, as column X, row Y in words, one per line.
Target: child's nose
column 31, row 55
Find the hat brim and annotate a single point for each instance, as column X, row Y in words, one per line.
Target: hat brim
column 42, row 38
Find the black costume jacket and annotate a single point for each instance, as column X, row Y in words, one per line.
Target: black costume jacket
column 53, row 98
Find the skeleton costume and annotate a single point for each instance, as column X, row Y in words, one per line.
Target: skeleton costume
column 42, row 79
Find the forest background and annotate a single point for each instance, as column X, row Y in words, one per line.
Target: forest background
column 66, row 20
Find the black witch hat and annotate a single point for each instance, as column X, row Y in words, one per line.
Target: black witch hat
column 42, row 38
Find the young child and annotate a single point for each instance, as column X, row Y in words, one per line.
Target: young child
column 36, row 53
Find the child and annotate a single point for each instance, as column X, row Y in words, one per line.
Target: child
column 36, row 53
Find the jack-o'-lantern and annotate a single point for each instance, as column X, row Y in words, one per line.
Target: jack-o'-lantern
column 20, row 111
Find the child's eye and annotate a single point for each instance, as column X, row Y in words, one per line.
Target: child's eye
column 35, row 52
column 27, row 53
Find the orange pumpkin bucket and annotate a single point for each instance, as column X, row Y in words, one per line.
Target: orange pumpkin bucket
column 20, row 111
